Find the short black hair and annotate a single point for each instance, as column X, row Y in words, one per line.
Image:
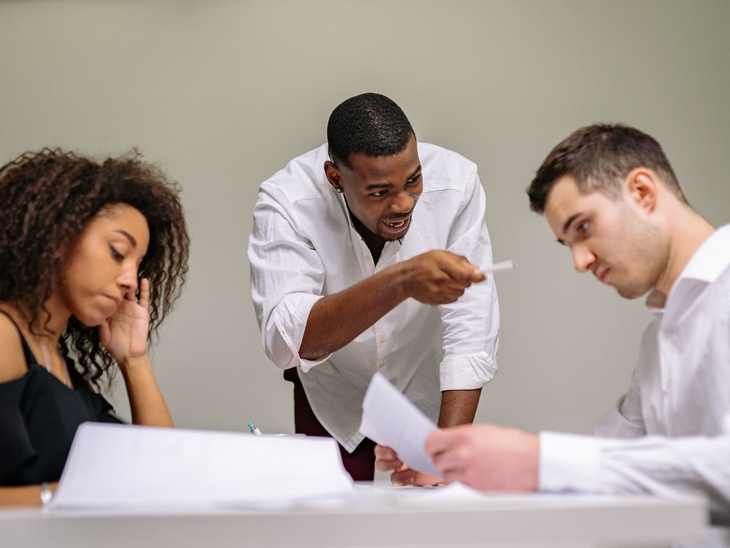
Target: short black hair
column 598, row 157
column 369, row 124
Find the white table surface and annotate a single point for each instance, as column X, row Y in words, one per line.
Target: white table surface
column 383, row 518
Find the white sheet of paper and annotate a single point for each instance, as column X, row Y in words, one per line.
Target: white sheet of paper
column 122, row 466
column 390, row 419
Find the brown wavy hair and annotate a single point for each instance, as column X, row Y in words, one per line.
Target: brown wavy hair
column 598, row 157
column 46, row 200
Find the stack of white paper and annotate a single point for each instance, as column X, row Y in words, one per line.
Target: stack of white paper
column 121, row 466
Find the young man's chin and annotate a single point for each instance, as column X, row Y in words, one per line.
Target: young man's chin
column 631, row 292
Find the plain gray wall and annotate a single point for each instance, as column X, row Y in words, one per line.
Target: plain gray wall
column 224, row 93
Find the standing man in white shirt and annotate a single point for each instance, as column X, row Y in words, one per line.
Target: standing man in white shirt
column 365, row 257
column 611, row 196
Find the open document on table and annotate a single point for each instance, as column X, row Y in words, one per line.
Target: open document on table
column 122, row 466
column 390, row 419
column 137, row 467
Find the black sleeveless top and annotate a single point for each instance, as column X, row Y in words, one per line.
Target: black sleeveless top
column 39, row 416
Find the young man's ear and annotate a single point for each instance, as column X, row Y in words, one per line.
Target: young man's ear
column 642, row 185
column 333, row 176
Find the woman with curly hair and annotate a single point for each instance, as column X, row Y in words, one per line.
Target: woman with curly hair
column 92, row 257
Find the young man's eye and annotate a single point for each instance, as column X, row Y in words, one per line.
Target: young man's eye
column 379, row 193
column 582, row 228
column 414, row 181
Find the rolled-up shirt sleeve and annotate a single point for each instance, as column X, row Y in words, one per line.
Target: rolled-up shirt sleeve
column 287, row 277
column 471, row 324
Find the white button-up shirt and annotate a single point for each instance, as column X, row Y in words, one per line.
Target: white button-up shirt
column 677, row 409
column 304, row 247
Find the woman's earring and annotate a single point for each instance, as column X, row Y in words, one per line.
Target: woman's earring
column 339, row 190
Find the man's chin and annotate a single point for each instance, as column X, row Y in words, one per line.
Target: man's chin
column 391, row 238
column 632, row 292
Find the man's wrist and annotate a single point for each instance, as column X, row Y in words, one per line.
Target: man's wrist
column 534, row 463
column 398, row 274
column 458, row 407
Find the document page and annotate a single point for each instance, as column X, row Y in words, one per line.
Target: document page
column 389, row 419
column 123, row 466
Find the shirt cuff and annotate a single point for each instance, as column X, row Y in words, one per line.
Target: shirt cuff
column 306, row 365
column 291, row 322
column 467, row 372
column 568, row 462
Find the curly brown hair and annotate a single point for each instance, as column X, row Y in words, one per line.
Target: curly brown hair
column 46, row 200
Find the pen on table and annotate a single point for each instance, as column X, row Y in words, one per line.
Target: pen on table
column 498, row 267
column 254, row 430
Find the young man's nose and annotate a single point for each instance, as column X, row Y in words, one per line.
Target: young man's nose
column 404, row 202
column 583, row 258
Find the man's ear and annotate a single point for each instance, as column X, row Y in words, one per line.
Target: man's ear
column 643, row 187
column 333, row 176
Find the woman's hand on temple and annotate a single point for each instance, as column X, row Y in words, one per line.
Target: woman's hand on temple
column 124, row 334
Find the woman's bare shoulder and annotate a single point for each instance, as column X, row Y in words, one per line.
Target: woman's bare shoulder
column 12, row 358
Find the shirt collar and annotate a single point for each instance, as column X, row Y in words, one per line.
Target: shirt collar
column 708, row 262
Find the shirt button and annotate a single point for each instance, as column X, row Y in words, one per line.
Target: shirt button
column 380, row 366
column 382, row 340
column 367, row 258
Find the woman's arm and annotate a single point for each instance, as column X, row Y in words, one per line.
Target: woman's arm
column 145, row 399
column 26, row 495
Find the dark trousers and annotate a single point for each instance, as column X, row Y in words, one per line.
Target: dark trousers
column 360, row 464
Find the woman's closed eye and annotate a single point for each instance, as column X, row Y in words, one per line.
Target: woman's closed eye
column 115, row 254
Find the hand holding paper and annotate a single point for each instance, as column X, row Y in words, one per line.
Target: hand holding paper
column 389, row 419
column 387, row 460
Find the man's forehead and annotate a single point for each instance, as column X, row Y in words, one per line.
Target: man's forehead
column 563, row 196
column 565, row 203
column 384, row 167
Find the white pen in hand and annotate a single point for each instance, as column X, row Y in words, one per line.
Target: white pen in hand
column 498, row 267
column 254, row 430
